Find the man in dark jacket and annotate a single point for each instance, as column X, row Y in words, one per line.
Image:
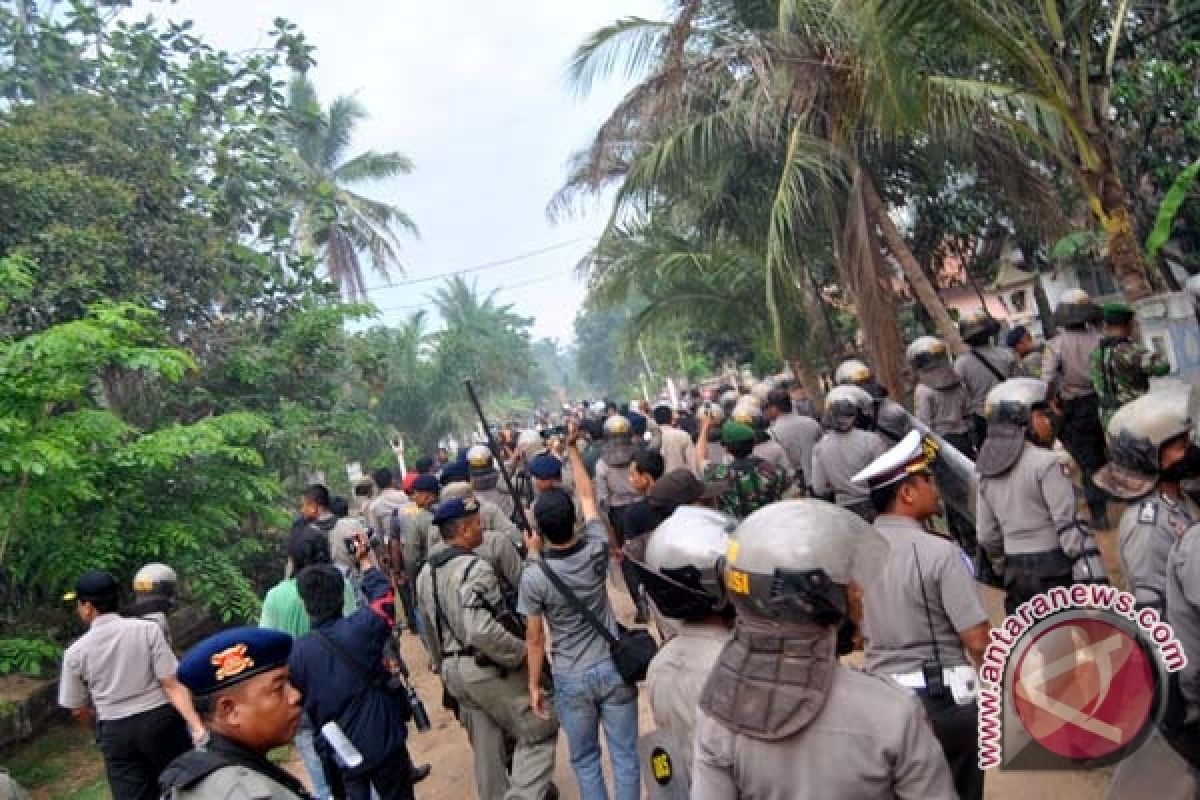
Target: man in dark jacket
column 339, row 667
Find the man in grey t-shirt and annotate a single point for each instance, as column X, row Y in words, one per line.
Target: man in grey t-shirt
column 587, row 686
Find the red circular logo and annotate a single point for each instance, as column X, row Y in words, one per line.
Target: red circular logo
column 1084, row 688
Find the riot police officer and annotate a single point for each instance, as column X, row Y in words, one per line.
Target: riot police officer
column 779, row 717
column 681, row 578
column 1026, row 516
column 485, row 479
column 853, row 372
column 924, row 609
column 154, row 588
column 1067, row 368
column 845, row 450
column 940, row 400
column 1149, row 444
column 983, row 366
column 480, row 658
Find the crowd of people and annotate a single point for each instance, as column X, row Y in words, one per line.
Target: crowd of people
column 759, row 537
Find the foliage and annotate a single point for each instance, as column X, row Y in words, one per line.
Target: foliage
column 1164, row 221
column 27, row 656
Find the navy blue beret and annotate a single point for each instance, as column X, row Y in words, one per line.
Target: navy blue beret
column 455, row 472
column 426, row 483
column 456, row 508
column 545, row 466
column 230, row 657
column 637, row 423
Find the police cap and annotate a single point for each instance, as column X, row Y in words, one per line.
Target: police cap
column 230, row 657
column 456, row 508
column 910, row 457
column 455, row 472
column 92, row 584
column 426, row 483
column 545, row 467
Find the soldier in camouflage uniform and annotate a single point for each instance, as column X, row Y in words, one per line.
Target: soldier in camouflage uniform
column 1121, row 368
column 752, row 482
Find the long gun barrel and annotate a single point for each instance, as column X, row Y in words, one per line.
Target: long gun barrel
column 518, row 506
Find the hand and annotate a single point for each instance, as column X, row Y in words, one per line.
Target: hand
column 572, row 433
column 537, row 700
column 362, row 549
column 199, row 737
column 533, row 543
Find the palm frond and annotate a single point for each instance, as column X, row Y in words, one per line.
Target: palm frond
column 373, row 166
column 344, row 114
column 628, row 46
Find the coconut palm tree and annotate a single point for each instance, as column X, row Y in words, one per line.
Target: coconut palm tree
column 333, row 222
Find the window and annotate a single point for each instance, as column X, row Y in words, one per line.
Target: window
column 1017, row 301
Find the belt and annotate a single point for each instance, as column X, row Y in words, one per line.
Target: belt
column 960, row 681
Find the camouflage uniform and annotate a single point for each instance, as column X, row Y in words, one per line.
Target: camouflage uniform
column 1120, row 372
column 752, row 484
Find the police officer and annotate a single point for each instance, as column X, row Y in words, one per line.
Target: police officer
column 485, row 479
column 797, row 434
column 845, row 450
column 1029, row 354
column 983, row 366
column 940, row 400
column 154, row 587
column 924, row 610
column 420, row 534
column 853, row 372
column 456, row 483
column 779, row 716
column 1025, row 504
column 1121, row 368
column 1150, row 444
column 481, row 661
column 239, row 679
column 681, row 578
column 613, row 488
column 1067, row 368
column 126, row 670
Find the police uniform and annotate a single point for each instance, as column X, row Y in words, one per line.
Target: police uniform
column 798, row 435
column 493, row 518
column 225, row 768
column 118, row 666
column 1067, row 366
column 482, row 665
column 420, row 535
column 981, row 367
column 779, row 716
column 837, row 458
column 1146, row 534
column 925, row 595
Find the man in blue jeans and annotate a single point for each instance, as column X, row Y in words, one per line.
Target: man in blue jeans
column 588, row 690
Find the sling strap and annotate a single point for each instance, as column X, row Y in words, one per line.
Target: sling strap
column 573, row 598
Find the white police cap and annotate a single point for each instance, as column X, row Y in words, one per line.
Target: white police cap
column 910, row 456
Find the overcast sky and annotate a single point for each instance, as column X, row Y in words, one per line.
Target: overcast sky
column 474, row 92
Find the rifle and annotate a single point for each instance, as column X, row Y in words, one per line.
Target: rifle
column 518, row 507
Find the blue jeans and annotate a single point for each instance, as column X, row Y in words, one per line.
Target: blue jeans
column 584, row 701
column 306, row 744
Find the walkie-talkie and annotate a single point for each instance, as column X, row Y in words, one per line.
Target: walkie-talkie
column 935, row 679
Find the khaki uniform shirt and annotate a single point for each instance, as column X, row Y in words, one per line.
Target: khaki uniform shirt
column 838, row 457
column 676, row 449
column 871, row 740
column 676, row 677
column 978, row 378
column 898, row 631
column 420, row 537
column 1068, row 362
column 1023, row 510
column 798, row 435
column 119, row 663
column 1147, row 531
column 943, row 410
column 228, row 783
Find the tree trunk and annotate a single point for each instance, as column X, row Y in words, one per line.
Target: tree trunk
column 927, row 296
column 1110, row 203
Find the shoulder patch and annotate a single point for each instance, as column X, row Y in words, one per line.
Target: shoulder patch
column 1148, row 513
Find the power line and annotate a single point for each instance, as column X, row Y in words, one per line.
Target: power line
column 510, row 287
column 480, row 267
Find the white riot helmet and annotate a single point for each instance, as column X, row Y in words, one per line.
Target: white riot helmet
column 529, row 443
column 156, row 579
column 749, row 414
column 1137, row 432
column 479, row 458
column 925, row 351
column 761, row 389
column 791, row 562
column 847, row 404
column 852, row 372
column 681, row 568
column 977, row 323
column 617, row 426
column 1012, row 402
column 1075, row 309
column 729, row 398
column 597, row 409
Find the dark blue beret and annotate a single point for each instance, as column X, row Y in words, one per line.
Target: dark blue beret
column 230, row 657
column 455, row 472
column 426, row 483
column 448, row 510
column 1015, row 335
column 637, row 423
column 545, row 466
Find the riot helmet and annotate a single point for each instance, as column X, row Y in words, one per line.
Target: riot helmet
column 479, row 458
column 618, row 446
column 617, row 427
column 761, row 389
column 852, row 372
column 729, row 399
column 1136, row 435
column 925, row 351
column 1075, row 309
column 1013, row 401
column 681, row 567
column 155, row 579
column 977, row 326
column 848, row 406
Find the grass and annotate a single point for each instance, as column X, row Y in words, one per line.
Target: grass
column 63, row 763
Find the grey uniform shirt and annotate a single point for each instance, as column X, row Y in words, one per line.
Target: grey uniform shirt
column 870, row 740
column 773, row 453
column 234, row 782
column 1146, row 534
column 1068, row 362
column 119, row 663
column 1183, row 612
column 838, row 457
column 978, row 378
column 613, row 489
column 896, row 627
column 798, row 435
column 575, row 645
column 676, row 449
column 1023, row 510
column 943, row 410
column 676, row 677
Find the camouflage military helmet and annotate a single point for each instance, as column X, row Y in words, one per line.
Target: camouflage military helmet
column 1137, row 432
column 924, row 351
column 1013, row 401
column 479, row 457
column 977, row 322
column 852, row 372
column 1075, row 308
column 617, row 426
column 155, row 578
